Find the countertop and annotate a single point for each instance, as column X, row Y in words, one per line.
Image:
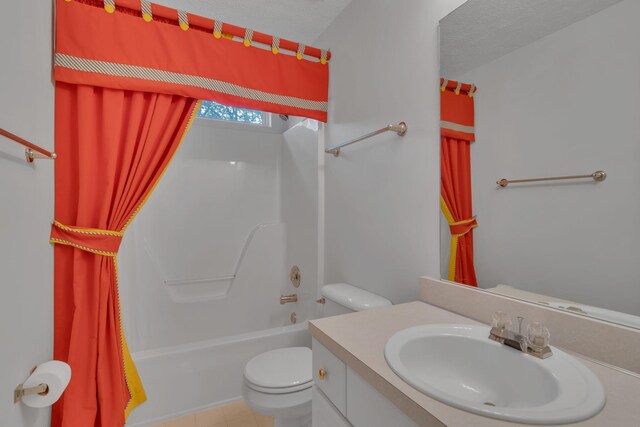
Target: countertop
column 358, row 339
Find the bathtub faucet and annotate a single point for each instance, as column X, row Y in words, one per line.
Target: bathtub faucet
column 284, row 299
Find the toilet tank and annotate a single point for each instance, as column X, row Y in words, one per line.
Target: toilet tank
column 342, row 298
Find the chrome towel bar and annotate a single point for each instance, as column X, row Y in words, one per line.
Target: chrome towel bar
column 400, row 129
column 32, row 151
column 598, row 176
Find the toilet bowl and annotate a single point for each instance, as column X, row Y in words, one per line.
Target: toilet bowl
column 278, row 384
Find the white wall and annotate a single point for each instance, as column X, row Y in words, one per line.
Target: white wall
column 26, row 209
column 565, row 104
column 382, row 195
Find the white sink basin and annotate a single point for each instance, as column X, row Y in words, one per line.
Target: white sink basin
column 460, row 366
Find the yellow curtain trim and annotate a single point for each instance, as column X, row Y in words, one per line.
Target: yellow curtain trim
column 131, row 376
column 84, row 248
column 452, row 259
column 446, row 211
column 454, row 237
column 464, row 221
column 134, row 384
column 454, row 240
column 96, row 231
column 194, row 113
column 462, row 234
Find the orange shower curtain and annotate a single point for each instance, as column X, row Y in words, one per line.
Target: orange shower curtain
column 113, row 145
column 457, row 134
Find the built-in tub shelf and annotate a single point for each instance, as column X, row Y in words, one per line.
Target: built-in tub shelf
column 188, row 290
column 192, row 290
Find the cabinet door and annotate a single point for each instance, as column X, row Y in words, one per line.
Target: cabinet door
column 366, row 407
column 330, row 375
column 324, row 414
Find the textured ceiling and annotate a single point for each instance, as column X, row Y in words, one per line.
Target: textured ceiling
column 297, row 20
column 480, row 31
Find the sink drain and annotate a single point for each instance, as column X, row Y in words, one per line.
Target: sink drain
column 489, row 404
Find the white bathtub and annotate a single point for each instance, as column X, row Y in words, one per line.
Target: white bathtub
column 185, row 379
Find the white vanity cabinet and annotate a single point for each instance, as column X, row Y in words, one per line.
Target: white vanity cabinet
column 324, row 414
column 342, row 398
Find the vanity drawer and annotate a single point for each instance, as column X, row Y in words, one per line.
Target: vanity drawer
column 330, row 375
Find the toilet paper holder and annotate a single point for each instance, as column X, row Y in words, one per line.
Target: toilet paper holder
column 20, row 391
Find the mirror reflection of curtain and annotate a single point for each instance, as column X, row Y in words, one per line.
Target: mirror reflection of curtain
column 457, row 134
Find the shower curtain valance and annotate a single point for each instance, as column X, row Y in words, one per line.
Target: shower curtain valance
column 140, row 46
column 456, row 110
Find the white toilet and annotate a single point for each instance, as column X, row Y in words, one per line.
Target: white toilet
column 278, row 383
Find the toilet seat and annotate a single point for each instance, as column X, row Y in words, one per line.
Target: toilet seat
column 283, row 390
column 285, row 370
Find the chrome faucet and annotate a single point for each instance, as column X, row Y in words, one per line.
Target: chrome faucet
column 284, row 299
column 535, row 343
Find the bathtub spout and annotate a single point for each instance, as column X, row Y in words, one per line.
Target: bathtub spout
column 284, row 299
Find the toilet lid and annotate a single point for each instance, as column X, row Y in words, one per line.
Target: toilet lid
column 283, row 368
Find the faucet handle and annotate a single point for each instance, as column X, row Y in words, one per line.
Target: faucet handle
column 538, row 336
column 501, row 320
column 520, row 320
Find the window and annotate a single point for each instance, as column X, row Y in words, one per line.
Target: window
column 213, row 110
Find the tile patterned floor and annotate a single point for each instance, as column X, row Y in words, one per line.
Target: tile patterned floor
column 236, row 414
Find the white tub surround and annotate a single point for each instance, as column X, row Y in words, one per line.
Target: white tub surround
column 359, row 341
column 238, row 209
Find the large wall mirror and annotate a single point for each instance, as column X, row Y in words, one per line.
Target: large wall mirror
column 551, row 89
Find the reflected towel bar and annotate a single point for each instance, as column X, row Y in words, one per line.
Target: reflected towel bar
column 598, row 176
column 400, row 129
column 32, row 151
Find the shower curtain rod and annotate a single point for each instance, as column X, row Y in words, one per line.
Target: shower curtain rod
column 32, row 151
